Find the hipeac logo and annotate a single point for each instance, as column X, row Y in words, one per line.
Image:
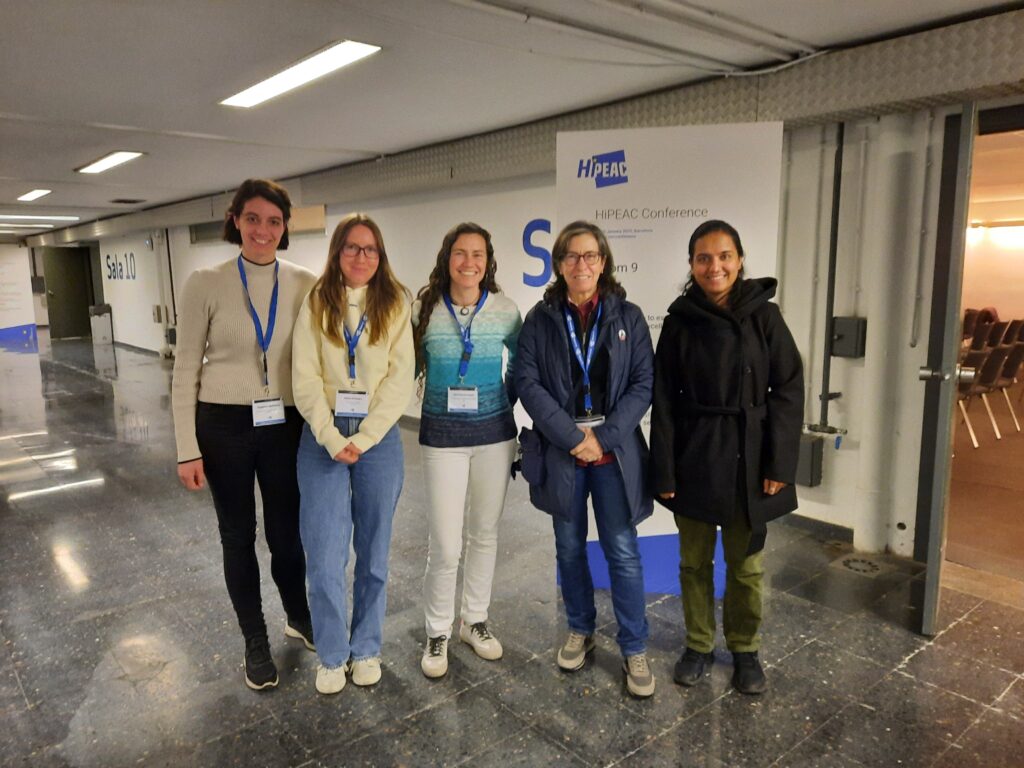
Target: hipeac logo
column 606, row 170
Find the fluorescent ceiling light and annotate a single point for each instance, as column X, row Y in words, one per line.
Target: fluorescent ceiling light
column 35, row 194
column 319, row 64
column 30, row 226
column 25, row 217
column 109, row 161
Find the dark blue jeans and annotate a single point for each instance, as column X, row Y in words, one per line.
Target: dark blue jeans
column 618, row 542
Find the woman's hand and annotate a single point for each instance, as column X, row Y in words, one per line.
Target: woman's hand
column 771, row 487
column 589, row 448
column 348, row 455
column 192, row 475
column 669, row 495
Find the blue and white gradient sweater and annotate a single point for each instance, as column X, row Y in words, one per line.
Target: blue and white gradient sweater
column 495, row 329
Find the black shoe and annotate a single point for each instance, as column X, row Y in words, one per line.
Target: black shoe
column 302, row 630
column 747, row 675
column 692, row 666
column 260, row 671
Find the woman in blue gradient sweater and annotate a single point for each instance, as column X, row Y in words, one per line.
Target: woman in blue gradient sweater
column 463, row 325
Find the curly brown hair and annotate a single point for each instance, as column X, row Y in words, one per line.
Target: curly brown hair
column 440, row 282
column 384, row 293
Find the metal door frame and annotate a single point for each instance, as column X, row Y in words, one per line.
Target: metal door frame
column 944, row 339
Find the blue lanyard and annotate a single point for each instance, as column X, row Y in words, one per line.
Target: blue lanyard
column 584, row 362
column 352, row 341
column 464, row 332
column 264, row 342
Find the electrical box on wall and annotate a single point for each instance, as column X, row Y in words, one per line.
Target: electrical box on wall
column 810, row 458
column 849, row 336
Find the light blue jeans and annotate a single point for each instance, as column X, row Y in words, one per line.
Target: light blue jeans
column 343, row 505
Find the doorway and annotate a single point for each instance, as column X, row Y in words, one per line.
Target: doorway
column 69, row 291
column 986, row 525
column 948, row 387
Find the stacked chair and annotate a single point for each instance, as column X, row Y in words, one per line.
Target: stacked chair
column 995, row 350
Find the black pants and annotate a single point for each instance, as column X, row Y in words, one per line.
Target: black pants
column 234, row 454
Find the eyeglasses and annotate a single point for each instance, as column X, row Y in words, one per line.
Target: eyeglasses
column 590, row 257
column 369, row 251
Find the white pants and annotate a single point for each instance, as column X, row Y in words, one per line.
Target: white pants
column 480, row 472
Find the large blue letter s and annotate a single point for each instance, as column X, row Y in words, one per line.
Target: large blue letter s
column 537, row 225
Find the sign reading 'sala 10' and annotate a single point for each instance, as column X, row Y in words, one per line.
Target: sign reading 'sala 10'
column 120, row 266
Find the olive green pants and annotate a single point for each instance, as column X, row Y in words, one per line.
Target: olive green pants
column 741, row 609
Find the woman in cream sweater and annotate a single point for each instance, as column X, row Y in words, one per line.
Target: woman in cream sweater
column 352, row 375
column 234, row 417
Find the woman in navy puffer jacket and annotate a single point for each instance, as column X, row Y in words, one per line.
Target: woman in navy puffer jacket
column 585, row 373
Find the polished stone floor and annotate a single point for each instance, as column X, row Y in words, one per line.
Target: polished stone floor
column 120, row 647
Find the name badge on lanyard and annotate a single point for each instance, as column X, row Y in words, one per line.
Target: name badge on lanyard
column 464, row 399
column 585, row 362
column 351, row 403
column 265, row 411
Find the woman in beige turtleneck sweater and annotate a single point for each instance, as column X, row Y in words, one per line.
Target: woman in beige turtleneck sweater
column 235, row 420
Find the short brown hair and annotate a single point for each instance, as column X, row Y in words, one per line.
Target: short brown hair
column 557, row 290
column 270, row 191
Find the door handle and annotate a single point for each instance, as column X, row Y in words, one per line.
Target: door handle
column 961, row 374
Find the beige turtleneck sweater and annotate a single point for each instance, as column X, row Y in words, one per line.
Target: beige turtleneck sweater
column 214, row 323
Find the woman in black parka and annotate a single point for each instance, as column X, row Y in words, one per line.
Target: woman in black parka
column 725, row 432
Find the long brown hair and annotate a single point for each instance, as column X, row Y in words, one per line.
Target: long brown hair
column 384, row 294
column 440, row 282
column 557, row 290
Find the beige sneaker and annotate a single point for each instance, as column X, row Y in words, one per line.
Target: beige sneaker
column 330, row 680
column 573, row 654
column 435, row 657
column 366, row 671
column 480, row 639
column 639, row 679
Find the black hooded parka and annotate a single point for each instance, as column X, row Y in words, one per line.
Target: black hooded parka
column 728, row 409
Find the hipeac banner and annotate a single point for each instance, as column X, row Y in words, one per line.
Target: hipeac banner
column 648, row 189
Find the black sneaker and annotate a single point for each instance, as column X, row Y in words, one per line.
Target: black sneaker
column 260, row 671
column 747, row 675
column 301, row 630
column 692, row 666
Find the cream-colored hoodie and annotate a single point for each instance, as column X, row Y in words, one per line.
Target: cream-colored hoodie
column 383, row 370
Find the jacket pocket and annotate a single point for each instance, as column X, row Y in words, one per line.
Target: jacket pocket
column 534, row 447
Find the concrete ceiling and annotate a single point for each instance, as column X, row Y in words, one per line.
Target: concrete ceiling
column 85, row 77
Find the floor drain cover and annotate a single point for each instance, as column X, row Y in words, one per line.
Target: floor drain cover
column 861, row 565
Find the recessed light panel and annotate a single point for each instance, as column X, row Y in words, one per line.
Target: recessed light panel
column 35, row 194
column 109, row 161
column 29, row 217
column 29, row 226
column 335, row 57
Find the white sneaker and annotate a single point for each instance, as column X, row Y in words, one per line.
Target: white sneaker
column 330, row 680
column 366, row 671
column 480, row 639
column 435, row 657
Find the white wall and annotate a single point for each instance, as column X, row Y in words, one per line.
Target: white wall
column 413, row 227
column 870, row 483
column 15, row 288
column 131, row 286
column 994, row 270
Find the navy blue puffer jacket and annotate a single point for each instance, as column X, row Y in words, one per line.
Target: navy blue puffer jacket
column 543, row 376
